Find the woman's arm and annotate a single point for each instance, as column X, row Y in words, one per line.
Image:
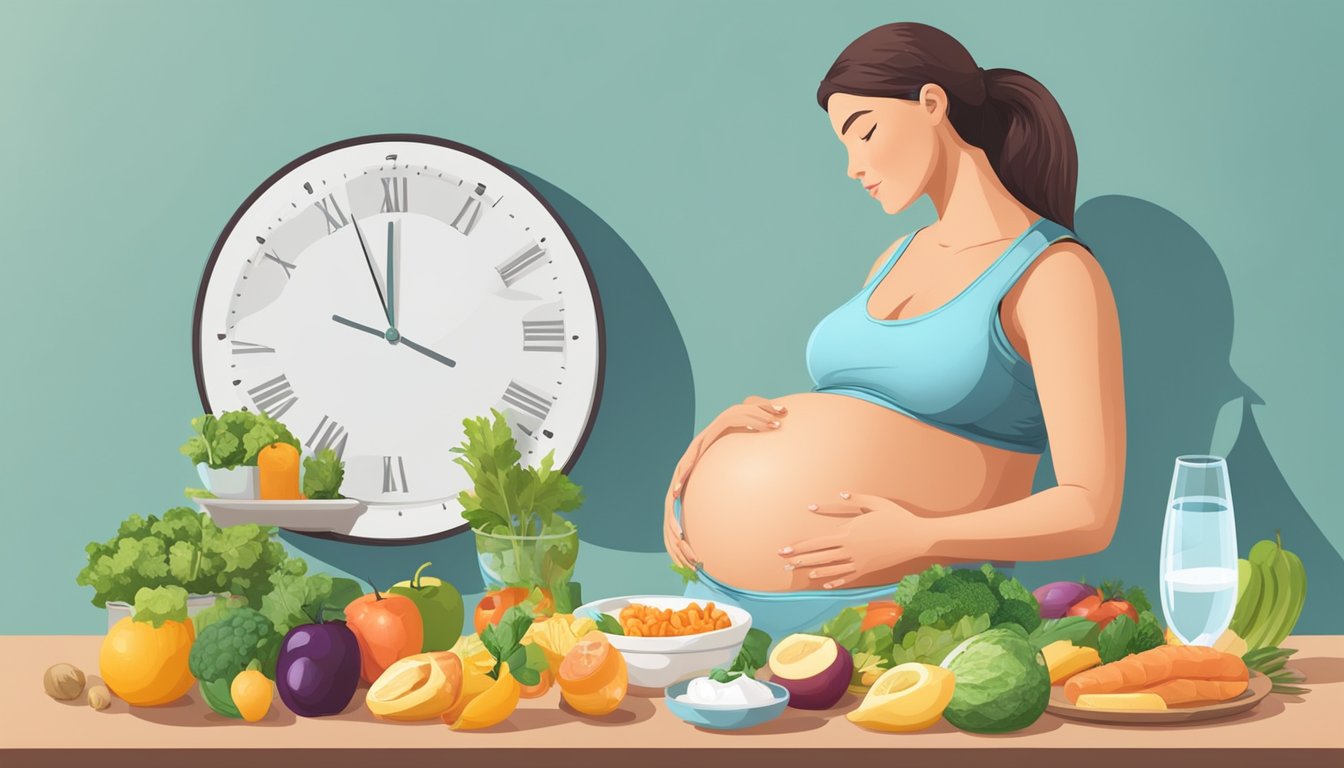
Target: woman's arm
column 1066, row 313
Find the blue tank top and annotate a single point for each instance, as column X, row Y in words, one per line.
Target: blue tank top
column 952, row 367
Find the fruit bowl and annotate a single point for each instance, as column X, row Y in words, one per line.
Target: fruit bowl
column 726, row 717
column 657, row 662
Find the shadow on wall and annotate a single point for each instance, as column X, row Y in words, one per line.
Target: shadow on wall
column 644, row 422
column 1176, row 321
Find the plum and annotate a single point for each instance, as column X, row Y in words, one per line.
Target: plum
column 1057, row 597
column 318, row 669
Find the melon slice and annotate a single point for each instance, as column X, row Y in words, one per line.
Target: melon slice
column 418, row 687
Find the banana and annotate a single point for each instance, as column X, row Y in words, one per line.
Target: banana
column 1297, row 582
column 1261, row 558
column 1282, row 599
column 1250, row 590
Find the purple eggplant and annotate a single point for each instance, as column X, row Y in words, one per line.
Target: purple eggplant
column 1057, row 597
column 318, row 669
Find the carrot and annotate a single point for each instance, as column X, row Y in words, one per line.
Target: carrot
column 1188, row 674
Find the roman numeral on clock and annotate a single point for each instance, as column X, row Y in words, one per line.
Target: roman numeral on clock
column 543, row 335
column 523, row 263
column 335, row 217
column 394, row 194
column 329, row 434
column 285, row 265
column 394, row 470
column 470, row 214
column 248, row 348
column 527, row 401
column 274, row 397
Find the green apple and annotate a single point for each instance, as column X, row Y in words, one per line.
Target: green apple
column 440, row 607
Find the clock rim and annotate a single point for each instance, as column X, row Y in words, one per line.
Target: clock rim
column 422, row 138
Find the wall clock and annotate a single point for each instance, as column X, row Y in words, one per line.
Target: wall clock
column 375, row 292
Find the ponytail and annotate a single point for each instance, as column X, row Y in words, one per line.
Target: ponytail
column 1033, row 151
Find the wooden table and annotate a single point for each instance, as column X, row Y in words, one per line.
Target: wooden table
column 36, row 730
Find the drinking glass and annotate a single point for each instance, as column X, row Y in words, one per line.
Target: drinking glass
column 1198, row 571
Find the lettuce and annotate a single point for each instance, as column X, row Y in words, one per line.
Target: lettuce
column 233, row 439
column 322, row 475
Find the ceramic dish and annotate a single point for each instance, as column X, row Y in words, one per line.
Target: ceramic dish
column 657, row 662
column 726, row 717
column 1257, row 689
column 337, row 515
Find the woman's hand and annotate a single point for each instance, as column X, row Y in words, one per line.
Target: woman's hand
column 878, row 534
column 754, row 414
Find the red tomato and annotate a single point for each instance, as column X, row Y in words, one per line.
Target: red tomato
column 1085, row 606
column 881, row 613
column 1108, row 611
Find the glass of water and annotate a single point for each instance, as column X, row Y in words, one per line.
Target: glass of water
column 1199, row 551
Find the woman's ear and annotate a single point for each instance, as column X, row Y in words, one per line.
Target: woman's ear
column 933, row 100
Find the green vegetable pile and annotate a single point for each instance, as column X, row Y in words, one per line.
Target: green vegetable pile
column 234, row 438
column 183, row 548
column 511, row 500
column 242, row 639
column 504, row 641
column 322, row 475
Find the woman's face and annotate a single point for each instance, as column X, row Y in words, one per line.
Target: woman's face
column 891, row 143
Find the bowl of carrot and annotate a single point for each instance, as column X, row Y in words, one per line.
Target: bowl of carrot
column 666, row 638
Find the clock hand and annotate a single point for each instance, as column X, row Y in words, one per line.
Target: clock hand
column 389, row 334
column 368, row 262
column 428, row 352
column 396, row 338
column 391, row 284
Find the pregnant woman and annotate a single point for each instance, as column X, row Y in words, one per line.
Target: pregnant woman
column 973, row 342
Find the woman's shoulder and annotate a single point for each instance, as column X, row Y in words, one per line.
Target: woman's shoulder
column 1063, row 279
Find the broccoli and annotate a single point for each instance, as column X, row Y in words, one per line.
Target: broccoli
column 940, row 597
column 1018, row 612
column 227, row 646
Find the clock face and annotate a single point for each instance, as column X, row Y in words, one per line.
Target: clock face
column 376, row 292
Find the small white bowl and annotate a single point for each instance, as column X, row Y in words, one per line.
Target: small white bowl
column 657, row 662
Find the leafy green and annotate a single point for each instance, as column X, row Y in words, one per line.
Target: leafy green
column 1071, row 628
column 297, row 595
column 941, row 597
column 160, row 604
column 233, row 439
column 508, row 498
column 687, row 575
column 504, row 642
column 322, row 475
column 1135, row 596
column 1270, row 663
column 1148, row 635
column 753, row 655
column 930, row 644
column 568, row 595
column 844, row 627
column 183, row 548
column 197, row 493
column 608, row 624
column 1113, row 643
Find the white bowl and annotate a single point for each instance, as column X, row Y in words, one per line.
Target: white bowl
column 657, row 662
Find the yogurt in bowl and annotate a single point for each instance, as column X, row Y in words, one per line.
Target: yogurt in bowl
column 734, row 705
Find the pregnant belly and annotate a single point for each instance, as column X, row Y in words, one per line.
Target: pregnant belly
column 748, row 494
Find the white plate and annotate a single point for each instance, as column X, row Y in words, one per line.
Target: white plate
column 333, row 515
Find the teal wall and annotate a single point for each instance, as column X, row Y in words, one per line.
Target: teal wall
column 685, row 139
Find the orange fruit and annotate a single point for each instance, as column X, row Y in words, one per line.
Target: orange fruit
column 147, row 665
column 540, row 689
column 493, row 606
column 593, row 677
column 491, row 707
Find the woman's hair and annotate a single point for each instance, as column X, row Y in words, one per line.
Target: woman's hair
column 1006, row 113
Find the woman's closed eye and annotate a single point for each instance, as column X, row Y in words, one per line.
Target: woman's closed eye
column 869, row 135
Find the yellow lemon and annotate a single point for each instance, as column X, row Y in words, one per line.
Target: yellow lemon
column 907, row 697
column 492, row 706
